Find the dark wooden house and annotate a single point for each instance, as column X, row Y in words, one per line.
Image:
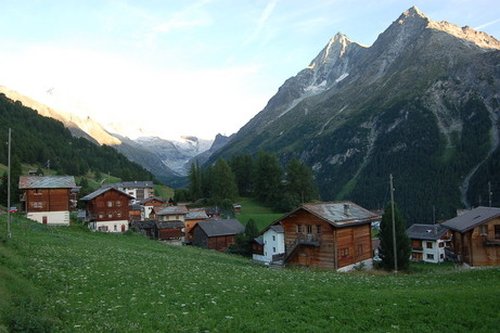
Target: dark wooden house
column 48, row 199
column 193, row 216
column 169, row 230
column 476, row 236
column 331, row 235
column 107, row 209
column 217, row 234
column 146, row 228
column 148, row 204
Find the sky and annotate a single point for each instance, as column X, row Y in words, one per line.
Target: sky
column 171, row 68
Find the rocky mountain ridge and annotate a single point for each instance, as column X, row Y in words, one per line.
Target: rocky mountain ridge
column 421, row 102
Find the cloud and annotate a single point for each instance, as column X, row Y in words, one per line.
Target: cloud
column 487, row 24
column 262, row 22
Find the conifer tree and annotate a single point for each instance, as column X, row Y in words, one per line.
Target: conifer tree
column 403, row 249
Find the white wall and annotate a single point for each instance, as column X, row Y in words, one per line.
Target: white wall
column 112, row 226
column 278, row 243
column 53, row 218
column 435, row 251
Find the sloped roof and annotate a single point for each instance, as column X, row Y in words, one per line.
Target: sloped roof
column 426, row 231
column 133, row 184
column 144, row 201
column 214, row 228
column 196, row 215
column 472, row 218
column 340, row 214
column 102, row 190
column 169, row 224
column 259, row 240
column 277, row 228
column 27, row 182
column 172, row 210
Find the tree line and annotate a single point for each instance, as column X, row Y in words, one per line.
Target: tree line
column 261, row 177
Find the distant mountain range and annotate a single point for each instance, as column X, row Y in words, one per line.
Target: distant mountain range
column 421, row 103
column 168, row 160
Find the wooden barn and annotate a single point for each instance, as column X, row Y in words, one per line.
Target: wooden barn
column 146, row 228
column 193, row 216
column 169, row 230
column 217, row 234
column 49, row 199
column 330, row 235
column 476, row 236
column 107, row 210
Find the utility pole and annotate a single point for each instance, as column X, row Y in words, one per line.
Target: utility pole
column 9, row 232
column 393, row 227
column 489, row 193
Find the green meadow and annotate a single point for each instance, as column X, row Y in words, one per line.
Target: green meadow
column 69, row 279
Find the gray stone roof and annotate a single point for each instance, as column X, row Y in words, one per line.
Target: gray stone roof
column 32, row 182
column 196, row 215
column 277, row 228
column 169, row 224
column 426, row 231
column 213, row 228
column 172, row 210
column 102, row 190
column 341, row 213
column 132, row 184
column 472, row 218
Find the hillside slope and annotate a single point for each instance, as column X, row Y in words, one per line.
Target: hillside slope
column 146, row 286
column 421, row 103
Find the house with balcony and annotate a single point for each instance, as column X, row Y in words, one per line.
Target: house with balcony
column 334, row 235
column 475, row 236
column 428, row 242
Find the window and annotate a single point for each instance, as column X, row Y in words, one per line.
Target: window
column 38, row 191
column 497, row 231
column 344, row 252
column 118, row 203
column 274, row 249
column 299, row 227
column 318, row 228
column 441, row 244
column 428, row 245
column 483, row 229
column 309, row 229
column 115, row 227
column 430, row 256
column 118, row 214
column 274, row 238
column 37, row 204
column 110, row 203
column 441, row 256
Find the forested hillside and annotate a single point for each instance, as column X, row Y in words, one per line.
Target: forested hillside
column 40, row 141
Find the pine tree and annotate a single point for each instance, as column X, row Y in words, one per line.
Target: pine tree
column 300, row 182
column 403, row 249
column 223, row 182
column 268, row 175
column 195, row 182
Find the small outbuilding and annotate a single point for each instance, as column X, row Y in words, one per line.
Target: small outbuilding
column 217, row 234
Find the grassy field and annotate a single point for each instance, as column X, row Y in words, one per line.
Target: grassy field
column 68, row 279
column 251, row 209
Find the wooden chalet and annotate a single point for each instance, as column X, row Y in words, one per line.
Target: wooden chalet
column 48, row 199
column 330, row 235
column 107, row 210
column 193, row 216
column 217, row 234
column 476, row 236
column 428, row 242
column 148, row 204
column 169, row 230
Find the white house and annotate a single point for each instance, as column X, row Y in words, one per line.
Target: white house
column 272, row 241
column 428, row 242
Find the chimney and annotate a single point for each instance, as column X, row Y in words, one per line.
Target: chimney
column 347, row 209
